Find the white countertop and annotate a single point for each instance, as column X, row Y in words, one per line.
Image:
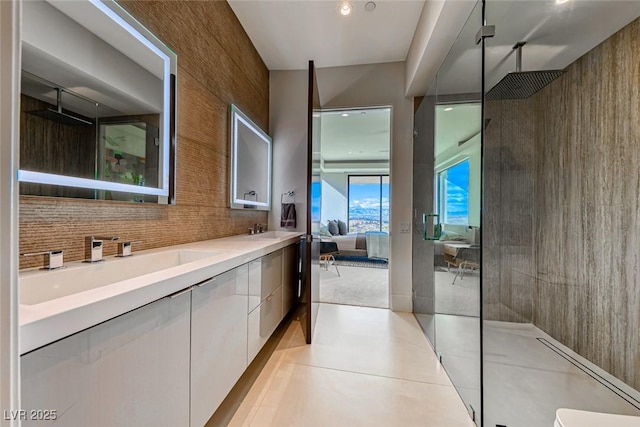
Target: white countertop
column 48, row 321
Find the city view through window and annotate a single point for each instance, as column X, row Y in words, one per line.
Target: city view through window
column 454, row 194
column 368, row 203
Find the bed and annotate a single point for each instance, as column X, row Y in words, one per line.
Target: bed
column 369, row 244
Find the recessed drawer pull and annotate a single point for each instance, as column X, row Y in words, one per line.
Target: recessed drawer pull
column 270, row 297
column 177, row 294
column 206, row 282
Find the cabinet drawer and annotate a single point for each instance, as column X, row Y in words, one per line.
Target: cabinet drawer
column 132, row 370
column 271, row 273
column 218, row 341
column 255, row 284
column 263, row 321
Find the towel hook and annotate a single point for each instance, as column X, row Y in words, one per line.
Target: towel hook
column 288, row 194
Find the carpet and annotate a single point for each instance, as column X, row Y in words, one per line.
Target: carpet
column 358, row 261
column 463, row 298
column 368, row 287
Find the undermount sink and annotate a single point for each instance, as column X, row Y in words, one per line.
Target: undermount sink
column 270, row 235
column 41, row 286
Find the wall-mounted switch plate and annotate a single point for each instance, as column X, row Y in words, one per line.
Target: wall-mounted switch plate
column 405, row 227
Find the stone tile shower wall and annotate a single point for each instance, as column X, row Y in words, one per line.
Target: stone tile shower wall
column 508, row 261
column 562, row 207
column 217, row 66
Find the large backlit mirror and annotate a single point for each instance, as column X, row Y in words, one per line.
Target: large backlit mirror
column 250, row 164
column 97, row 107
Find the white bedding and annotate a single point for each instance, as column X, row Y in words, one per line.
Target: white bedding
column 347, row 242
column 377, row 245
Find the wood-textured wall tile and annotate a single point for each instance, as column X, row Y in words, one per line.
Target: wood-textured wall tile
column 587, row 192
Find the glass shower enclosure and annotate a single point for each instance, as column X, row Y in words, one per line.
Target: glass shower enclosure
column 526, row 235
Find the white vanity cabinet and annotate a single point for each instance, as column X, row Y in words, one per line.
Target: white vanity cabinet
column 265, row 313
column 273, row 282
column 168, row 363
column 132, row 370
column 263, row 321
column 218, row 340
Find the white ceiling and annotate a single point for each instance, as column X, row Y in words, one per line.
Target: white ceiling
column 460, row 123
column 287, row 34
column 362, row 135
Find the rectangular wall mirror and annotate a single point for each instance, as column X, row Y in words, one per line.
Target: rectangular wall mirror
column 250, row 163
column 97, row 114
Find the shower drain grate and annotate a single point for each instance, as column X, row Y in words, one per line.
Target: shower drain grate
column 587, row 370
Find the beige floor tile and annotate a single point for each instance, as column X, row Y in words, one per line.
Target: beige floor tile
column 366, row 367
column 346, row 339
column 243, row 417
column 310, row 396
column 256, row 394
column 340, row 322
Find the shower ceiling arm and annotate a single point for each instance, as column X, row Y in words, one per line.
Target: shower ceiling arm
column 518, row 48
column 59, row 100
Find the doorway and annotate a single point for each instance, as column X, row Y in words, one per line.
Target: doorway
column 354, row 214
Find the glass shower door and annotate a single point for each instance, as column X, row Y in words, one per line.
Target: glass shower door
column 457, row 182
column 423, row 198
column 447, row 198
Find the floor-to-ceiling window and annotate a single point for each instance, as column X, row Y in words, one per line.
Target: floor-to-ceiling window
column 453, row 194
column 368, row 208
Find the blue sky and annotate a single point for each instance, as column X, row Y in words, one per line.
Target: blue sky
column 316, row 197
column 458, row 194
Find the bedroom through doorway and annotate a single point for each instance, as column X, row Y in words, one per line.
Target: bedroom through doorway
column 354, row 215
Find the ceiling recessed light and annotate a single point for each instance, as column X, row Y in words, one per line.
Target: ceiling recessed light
column 363, row 112
column 349, row 152
column 345, row 114
column 448, row 109
column 561, row 1
column 370, row 6
column 345, row 9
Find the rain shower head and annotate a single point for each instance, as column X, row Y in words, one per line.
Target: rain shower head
column 521, row 84
column 57, row 115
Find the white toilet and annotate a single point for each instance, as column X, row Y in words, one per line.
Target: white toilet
column 575, row 418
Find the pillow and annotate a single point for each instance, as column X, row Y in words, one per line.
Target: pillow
column 323, row 230
column 333, row 228
column 452, row 237
column 342, row 228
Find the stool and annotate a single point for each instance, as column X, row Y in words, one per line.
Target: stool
column 327, row 258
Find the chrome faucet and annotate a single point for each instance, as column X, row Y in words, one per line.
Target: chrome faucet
column 93, row 249
column 124, row 248
column 54, row 259
column 258, row 228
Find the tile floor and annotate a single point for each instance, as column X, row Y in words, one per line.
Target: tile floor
column 366, row 367
column 525, row 381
